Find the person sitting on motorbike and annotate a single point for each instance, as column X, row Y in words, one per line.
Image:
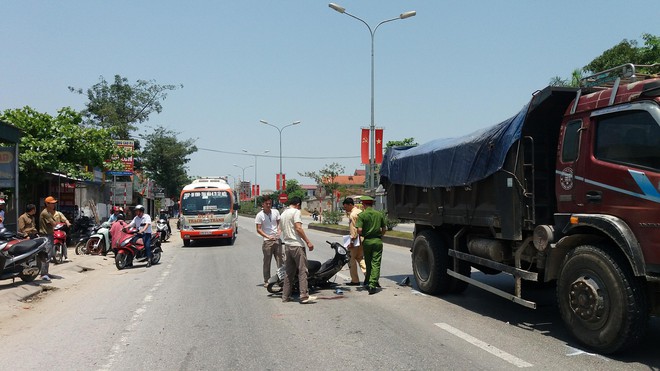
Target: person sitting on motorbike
column 116, row 210
column 142, row 221
column 164, row 215
column 116, row 235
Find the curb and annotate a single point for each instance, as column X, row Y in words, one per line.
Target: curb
column 399, row 241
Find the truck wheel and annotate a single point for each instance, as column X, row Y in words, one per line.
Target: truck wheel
column 600, row 300
column 186, row 243
column 430, row 262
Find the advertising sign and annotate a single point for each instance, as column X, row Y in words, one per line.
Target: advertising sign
column 127, row 145
column 7, row 167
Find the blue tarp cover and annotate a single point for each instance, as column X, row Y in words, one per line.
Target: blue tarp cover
column 453, row 161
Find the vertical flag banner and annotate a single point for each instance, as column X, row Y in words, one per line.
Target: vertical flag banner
column 258, row 191
column 254, row 190
column 364, row 146
column 379, row 146
column 279, row 182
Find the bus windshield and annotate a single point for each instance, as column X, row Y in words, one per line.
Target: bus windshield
column 205, row 202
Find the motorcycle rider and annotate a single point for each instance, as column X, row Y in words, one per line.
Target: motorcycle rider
column 2, row 213
column 164, row 215
column 142, row 221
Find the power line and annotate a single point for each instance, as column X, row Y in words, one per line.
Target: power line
column 274, row 156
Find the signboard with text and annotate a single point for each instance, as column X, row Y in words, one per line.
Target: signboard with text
column 127, row 145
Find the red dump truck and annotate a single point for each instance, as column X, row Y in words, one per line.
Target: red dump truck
column 566, row 191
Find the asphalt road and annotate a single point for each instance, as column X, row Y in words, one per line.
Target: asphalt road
column 203, row 308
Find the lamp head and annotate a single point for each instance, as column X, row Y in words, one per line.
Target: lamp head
column 337, row 7
column 263, row 122
column 409, row 14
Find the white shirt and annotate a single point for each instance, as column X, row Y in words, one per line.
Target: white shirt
column 139, row 222
column 268, row 222
column 289, row 217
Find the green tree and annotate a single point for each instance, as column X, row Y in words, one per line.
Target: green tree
column 627, row 51
column 164, row 158
column 121, row 106
column 326, row 178
column 60, row 144
column 399, row 143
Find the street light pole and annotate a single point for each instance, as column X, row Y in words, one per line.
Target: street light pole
column 243, row 168
column 280, row 183
column 255, row 171
column 372, row 126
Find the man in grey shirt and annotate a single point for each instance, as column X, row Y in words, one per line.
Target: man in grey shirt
column 296, row 257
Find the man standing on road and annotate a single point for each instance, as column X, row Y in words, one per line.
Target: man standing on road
column 355, row 246
column 268, row 227
column 296, row 257
column 371, row 226
column 47, row 223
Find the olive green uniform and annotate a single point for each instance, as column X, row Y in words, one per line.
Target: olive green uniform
column 372, row 222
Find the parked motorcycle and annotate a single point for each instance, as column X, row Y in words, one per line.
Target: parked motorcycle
column 99, row 242
column 163, row 229
column 81, row 229
column 318, row 275
column 131, row 249
column 22, row 258
column 59, row 243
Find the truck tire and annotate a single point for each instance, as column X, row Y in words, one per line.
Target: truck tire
column 186, row 243
column 601, row 302
column 430, row 262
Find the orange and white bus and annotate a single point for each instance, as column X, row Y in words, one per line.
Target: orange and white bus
column 208, row 210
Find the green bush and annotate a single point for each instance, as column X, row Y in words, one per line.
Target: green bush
column 248, row 209
column 390, row 222
column 332, row 217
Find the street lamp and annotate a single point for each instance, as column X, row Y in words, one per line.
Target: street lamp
column 372, row 127
column 255, row 170
column 280, row 183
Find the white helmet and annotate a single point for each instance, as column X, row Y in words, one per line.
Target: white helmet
column 139, row 207
column 2, row 201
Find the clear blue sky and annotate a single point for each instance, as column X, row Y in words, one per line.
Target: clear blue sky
column 456, row 67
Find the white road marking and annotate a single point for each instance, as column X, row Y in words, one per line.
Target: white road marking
column 123, row 342
column 485, row 346
column 577, row 352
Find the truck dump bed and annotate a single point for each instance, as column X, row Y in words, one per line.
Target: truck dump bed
column 501, row 177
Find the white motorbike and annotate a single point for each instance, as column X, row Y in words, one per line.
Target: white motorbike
column 163, row 229
column 99, row 243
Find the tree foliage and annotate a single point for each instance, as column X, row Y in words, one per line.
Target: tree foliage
column 121, row 106
column 326, row 178
column 60, row 144
column 164, row 158
column 401, row 143
column 627, row 51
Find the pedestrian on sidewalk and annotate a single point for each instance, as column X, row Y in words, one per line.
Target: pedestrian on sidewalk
column 268, row 227
column 27, row 227
column 355, row 246
column 371, row 226
column 296, row 258
column 47, row 224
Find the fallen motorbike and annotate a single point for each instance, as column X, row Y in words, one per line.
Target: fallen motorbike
column 81, row 229
column 22, row 258
column 318, row 275
column 163, row 229
column 130, row 249
column 99, row 242
column 59, row 243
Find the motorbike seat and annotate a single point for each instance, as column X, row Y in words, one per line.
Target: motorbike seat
column 313, row 266
column 23, row 247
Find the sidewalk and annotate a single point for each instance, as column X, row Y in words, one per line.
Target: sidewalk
column 14, row 294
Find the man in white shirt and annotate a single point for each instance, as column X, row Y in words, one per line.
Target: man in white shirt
column 268, row 227
column 142, row 221
column 296, row 257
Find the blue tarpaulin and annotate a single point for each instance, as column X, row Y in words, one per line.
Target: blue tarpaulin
column 454, row 161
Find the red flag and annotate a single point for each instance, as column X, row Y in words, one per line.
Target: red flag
column 258, row 190
column 279, row 182
column 254, row 190
column 379, row 146
column 365, row 146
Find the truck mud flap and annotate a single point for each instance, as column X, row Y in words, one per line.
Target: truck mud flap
column 492, row 290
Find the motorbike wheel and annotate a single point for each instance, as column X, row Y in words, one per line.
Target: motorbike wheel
column 121, row 259
column 275, row 287
column 90, row 246
column 81, row 248
column 29, row 277
column 58, row 253
column 155, row 258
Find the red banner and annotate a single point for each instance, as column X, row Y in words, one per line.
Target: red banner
column 364, row 146
column 254, row 190
column 258, row 192
column 281, row 182
column 379, row 146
